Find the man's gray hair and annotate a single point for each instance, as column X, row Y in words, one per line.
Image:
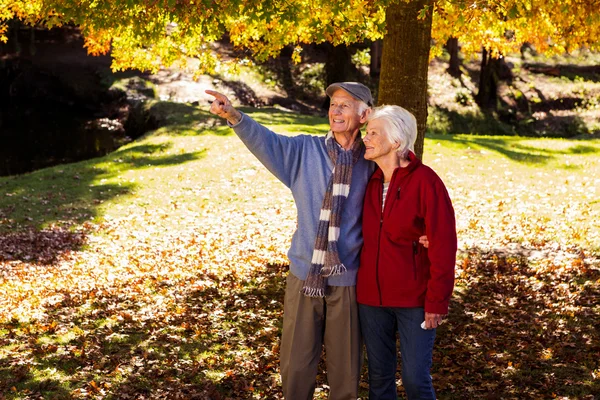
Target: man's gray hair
column 400, row 125
column 362, row 106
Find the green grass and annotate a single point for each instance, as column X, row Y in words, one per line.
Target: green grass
column 192, row 151
column 194, row 141
column 159, row 269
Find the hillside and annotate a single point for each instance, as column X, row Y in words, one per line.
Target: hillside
column 546, row 97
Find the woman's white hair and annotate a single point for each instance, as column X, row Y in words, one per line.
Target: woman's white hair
column 400, row 126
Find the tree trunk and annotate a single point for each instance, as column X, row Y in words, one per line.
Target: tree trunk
column 487, row 97
column 338, row 67
column 284, row 71
column 454, row 64
column 405, row 62
column 375, row 67
column 493, row 70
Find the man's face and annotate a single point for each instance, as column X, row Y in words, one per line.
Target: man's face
column 343, row 113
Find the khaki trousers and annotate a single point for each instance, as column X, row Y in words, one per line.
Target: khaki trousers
column 308, row 324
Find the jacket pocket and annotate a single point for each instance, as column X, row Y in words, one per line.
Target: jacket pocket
column 415, row 257
column 399, row 261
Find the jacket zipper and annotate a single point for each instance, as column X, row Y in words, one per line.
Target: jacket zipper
column 379, row 247
column 379, row 238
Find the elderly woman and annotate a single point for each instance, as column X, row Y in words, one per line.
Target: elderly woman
column 402, row 286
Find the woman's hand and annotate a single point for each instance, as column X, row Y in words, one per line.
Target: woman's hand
column 424, row 242
column 432, row 320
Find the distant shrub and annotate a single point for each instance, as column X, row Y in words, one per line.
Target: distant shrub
column 463, row 97
column 362, row 58
column 438, row 122
column 443, row 121
column 311, row 78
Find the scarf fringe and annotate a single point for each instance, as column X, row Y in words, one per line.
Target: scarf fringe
column 313, row 292
column 333, row 270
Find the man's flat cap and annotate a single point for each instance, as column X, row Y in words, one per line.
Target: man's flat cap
column 355, row 89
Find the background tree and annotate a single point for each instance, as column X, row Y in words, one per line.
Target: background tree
column 502, row 27
column 376, row 52
column 452, row 47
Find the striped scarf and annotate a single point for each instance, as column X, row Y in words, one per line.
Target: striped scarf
column 326, row 259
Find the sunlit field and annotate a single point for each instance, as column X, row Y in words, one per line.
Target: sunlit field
column 158, row 271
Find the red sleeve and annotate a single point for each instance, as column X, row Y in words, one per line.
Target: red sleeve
column 440, row 226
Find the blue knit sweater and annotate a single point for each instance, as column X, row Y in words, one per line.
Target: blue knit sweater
column 303, row 165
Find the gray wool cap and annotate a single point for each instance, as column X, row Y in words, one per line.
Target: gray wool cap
column 355, row 89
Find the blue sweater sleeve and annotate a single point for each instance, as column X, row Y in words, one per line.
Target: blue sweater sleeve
column 280, row 154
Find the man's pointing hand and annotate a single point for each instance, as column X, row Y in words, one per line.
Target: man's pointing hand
column 222, row 107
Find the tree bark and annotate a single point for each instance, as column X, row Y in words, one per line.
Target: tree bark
column 486, row 97
column 339, row 66
column 405, row 62
column 284, row 71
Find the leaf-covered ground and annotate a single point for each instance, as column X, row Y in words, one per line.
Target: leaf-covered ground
column 157, row 272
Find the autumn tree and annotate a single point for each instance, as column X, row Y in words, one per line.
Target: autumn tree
column 496, row 28
column 150, row 34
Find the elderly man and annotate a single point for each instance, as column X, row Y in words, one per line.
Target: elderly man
column 327, row 176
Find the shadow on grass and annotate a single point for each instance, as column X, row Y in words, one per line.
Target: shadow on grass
column 215, row 343
column 573, row 72
column 178, row 119
column 292, row 121
column 513, row 149
column 141, row 156
column 52, row 200
column 186, row 119
column 517, row 330
column 39, row 246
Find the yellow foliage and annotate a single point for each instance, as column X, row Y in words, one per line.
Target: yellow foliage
column 3, row 29
column 96, row 42
column 148, row 35
column 552, row 26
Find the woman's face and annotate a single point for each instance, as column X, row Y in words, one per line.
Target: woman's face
column 377, row 142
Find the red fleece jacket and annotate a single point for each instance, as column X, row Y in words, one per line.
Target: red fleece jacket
column 395, row 270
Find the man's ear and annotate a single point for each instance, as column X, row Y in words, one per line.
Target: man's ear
column 365, row 115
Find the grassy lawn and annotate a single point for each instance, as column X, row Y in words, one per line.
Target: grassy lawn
column 158, row 270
